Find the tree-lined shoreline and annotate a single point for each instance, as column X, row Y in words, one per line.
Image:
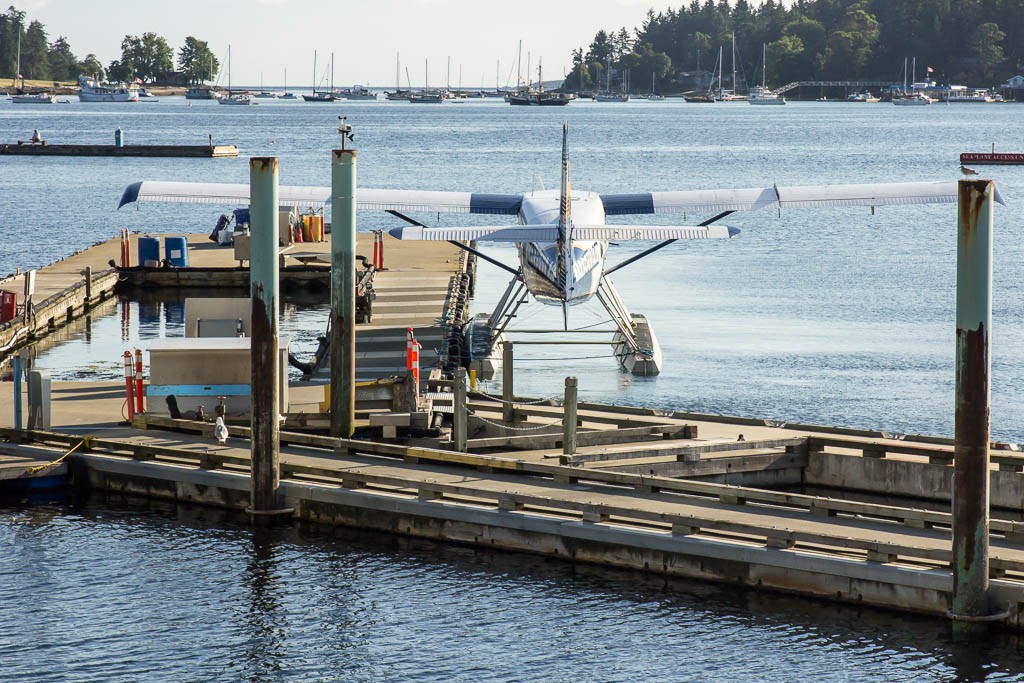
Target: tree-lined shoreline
column 147, row 58
column 979, row 42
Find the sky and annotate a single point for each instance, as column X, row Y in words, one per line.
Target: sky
column 269, row 36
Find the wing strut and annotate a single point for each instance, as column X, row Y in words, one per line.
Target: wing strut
column 656, row 247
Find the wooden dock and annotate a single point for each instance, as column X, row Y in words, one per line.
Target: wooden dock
column 59, row 150
column 682, row 494
column 832, row 547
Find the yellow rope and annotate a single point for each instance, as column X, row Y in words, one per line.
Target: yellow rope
column 33, row 470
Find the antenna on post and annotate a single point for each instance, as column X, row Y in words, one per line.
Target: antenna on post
column 345, row 131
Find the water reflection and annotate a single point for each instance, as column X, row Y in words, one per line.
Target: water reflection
column 305, row 602
column 264, row 620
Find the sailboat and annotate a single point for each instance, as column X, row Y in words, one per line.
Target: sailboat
column 427, row 96
column 761, row 94
column 910, row 97
column 398, row 93
column 321, row 95
column 264, row 94
column 230, row 97
column 654, row 96
column 287, row 95
column 22, row 97
column 707, row 96
column 536, row 97
column 733, row 94
column 607, row 95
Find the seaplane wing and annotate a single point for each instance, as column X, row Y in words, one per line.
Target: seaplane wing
column 381, row 200
column 809, row 196
column 550, row 233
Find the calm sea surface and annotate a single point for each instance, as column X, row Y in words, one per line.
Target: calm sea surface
column 830, row 317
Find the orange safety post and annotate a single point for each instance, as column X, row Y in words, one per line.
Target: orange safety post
column 380, row 253
column 412, row 359
column 140, row 406
column 376, row 252
column 129, row 385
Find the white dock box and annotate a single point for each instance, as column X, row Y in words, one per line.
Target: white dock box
column 199, row 370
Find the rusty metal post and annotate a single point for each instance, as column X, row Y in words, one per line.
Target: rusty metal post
column 508, row 409
column 264, row 274
column 343, row 293
column 459, row 412
column 973, row 362
column 569, row 417
column 88, row 286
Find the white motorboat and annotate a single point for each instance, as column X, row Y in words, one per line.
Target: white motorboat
column 94, row 90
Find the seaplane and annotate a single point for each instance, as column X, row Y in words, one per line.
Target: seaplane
column 562, row 237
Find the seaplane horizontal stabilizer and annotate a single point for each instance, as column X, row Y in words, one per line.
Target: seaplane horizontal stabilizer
column 582, row 233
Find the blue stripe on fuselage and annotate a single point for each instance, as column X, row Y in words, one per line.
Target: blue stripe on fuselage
column 627, row 204
column 501, row 204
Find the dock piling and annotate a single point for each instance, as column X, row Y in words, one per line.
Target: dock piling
column 508, row 409
column 264, row 272
column 973, row 363
column 16, row 369
column 569, row 417
column 343, row 291
column 459, row 416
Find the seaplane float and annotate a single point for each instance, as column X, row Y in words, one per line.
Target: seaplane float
column 562, row 237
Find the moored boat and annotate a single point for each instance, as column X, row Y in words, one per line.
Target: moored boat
column 201, row 92
column 22, row 97
column 357, row 92
column 94, row 90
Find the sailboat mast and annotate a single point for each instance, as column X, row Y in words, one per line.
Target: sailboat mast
column 519, row 66
column 314, row 72
column 398, row 72
column 721, row 68
column 734, row 90
column 332, row 72
column 764, row 64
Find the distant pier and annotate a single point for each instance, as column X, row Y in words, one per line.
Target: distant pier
column 195, row 151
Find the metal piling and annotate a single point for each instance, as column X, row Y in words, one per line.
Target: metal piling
column 264, row 273
column 343, row 292
column 970, row 601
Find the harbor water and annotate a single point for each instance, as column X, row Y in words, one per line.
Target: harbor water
column 836, row 316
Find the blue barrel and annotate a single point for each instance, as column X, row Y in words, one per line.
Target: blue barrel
column 176, row 251
column 241, row 216
column 149, row 250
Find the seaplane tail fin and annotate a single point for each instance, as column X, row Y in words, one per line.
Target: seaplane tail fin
column 565, row 236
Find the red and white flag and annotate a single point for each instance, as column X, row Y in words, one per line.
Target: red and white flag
column 930, row 70
column 139, row 80
column 20, row 76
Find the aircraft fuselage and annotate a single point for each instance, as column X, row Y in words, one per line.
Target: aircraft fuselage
column 576, row 280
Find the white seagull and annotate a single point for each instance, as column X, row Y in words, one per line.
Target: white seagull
column 967, row 171
column 221, row 430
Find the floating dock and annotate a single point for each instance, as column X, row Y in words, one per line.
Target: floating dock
column 681, row 494
column 195, row 151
